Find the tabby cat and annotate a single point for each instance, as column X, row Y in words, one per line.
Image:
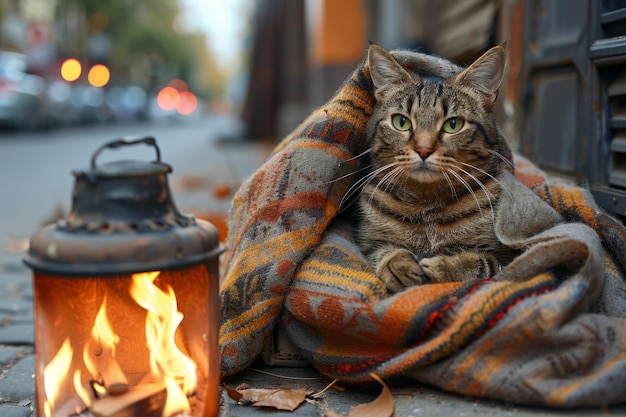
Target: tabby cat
column 428, row 206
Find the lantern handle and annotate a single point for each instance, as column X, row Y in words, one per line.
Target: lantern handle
column 114, row 144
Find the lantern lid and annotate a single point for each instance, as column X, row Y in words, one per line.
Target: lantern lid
column 126, row 168
column 123, row 220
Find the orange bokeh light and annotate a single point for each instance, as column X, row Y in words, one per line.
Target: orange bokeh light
column 187, row 103
column 168, row 98
column 71, row 69
column 175, row 96
column 98, row 75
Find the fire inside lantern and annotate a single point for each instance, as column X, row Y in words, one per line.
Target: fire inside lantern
column 126, row 299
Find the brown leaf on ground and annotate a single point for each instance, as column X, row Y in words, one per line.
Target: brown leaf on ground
column 382, row 406
column 223, row 191
column 281, row 399
column 16, row 245
column 193, row 182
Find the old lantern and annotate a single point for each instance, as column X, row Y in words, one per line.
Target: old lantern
column 126, row 299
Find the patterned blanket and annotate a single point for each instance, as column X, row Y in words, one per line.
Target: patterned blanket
column 549, row 328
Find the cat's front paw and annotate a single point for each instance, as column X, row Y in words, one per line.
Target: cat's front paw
column 438, row 269
column 400, row 269
column 463, row 266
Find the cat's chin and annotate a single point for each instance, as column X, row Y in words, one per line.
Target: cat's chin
column 427, row 176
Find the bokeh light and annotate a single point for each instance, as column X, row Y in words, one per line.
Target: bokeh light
column 176, row 96
column 98, row 75
column 168, row 98
column 71, row 69
column 187, row 103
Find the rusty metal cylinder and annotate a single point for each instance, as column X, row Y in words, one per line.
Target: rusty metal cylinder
column 126, row 260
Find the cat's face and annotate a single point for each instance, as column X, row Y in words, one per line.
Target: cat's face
column 430, row 130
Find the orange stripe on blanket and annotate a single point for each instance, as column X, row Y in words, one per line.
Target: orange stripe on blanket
column 273, row 250
column 570, row 200
column 332, row 149
column 320, row 272
column 353, row 104
column 483, row 363
column 279, row 247
column 529, row 180
column 574, row 199
column 402, row 311
column 475, row 315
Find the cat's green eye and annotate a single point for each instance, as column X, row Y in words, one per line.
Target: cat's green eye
column 453, row 125
column 400, row 122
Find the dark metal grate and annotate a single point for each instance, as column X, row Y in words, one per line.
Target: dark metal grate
column 608, row 54
column 616, row 93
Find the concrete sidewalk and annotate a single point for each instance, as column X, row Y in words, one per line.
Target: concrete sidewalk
column 17, row 358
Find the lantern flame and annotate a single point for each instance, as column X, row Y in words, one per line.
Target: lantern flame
column 166, row 359
column 168, row 363
column 102, row 329
column 103, row 335
column 80, row 389
column 54, row 373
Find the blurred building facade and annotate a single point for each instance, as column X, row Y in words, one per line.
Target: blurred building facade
column 317, row 43
column 27, row 26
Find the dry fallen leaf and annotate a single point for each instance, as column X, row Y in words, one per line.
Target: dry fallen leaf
column 193, row 182
column 16, row 245
column 223, row 191
column 382, row 406
column 281, row 399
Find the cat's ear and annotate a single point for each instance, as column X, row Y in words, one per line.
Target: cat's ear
column 485, row 74
column 384, row 69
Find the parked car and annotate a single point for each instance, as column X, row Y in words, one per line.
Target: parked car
column 127, row 103
column 88, row 105
column 20, row 92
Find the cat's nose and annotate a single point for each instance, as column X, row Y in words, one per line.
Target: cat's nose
column 424, row 152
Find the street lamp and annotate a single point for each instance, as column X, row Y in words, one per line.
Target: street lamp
column 126, row 299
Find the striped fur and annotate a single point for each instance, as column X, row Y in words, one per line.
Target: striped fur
column 428, row 204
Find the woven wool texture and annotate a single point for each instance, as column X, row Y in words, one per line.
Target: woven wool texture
column 549, row 329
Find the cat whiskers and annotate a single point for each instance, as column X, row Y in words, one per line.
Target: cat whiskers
column 449, row 181
column 348, row 175
column 389, row 180
column 487, row 174
column 358, row 185
column 365, row 168
column 485, row 190
column 467, row 187
column 499, row 155
column 365, row 152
